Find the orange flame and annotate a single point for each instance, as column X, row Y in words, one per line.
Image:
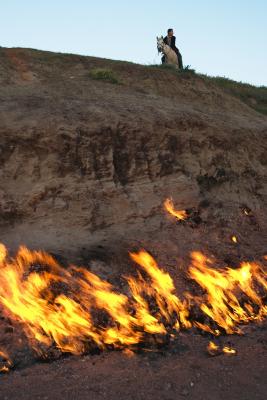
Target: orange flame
column 6, row 362
column 162, row 288
column 90, row 312
column 234, row 239
column 229, row 350
column 214, row 349
column 178, row 214
column 221, row 304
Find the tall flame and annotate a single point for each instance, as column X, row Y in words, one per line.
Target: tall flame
column 221, row 303
column 75, row 310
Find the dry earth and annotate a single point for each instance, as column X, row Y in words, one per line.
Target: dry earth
column 85, row 168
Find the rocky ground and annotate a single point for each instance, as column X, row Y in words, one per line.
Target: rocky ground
column 86, row 165
column 184, row 371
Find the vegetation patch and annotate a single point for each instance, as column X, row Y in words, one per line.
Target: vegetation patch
column 253, row 96
column 104, row 74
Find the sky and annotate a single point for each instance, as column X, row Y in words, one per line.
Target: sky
column 219, row 38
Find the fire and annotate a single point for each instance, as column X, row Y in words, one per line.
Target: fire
column 162, row 289
column 234, row 239
column 178, row 214
column 221, row 304
column 214, row 349
column 228, row 350
column 74, row 310
column 5, row 362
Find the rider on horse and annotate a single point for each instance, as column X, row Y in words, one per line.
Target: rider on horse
column 170, row 40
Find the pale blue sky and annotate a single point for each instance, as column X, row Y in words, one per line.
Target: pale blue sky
column 226, row 38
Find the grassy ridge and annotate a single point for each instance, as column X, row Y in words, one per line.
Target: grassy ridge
column 254, row 96
column 109, row 71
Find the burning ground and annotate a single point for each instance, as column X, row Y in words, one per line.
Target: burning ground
column 137, row 295
column 56, row 306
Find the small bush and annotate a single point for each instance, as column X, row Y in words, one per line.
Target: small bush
column 187, row 68
column 104, row 75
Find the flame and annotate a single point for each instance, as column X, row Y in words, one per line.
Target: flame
column 228, row 350
column 178, row 214
column 3, row 253
column 212, row 348
column 170, row 306
column 6, row 361
column 221, row 304
column 75, row 310
column 234, row 239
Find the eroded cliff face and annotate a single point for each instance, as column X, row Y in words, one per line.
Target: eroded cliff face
column 85, row 162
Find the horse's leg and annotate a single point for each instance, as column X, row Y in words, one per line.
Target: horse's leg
column 177, row 63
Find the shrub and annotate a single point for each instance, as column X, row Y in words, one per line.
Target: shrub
column 187, row 68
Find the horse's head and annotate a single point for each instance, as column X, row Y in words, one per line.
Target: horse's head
column 160, row 43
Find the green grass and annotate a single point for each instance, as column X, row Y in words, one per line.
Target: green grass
column 163, row 66
column 104, row 75
column 253, row 96
column 186, row 71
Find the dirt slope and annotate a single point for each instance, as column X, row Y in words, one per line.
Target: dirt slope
column 82, row 159
column 85, row 166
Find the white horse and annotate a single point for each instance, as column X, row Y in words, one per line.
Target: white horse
column 169, row 53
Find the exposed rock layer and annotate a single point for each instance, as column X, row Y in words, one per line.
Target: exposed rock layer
column 84, row 161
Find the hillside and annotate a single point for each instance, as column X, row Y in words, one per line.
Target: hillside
column 94, row 155
column 90, row 149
